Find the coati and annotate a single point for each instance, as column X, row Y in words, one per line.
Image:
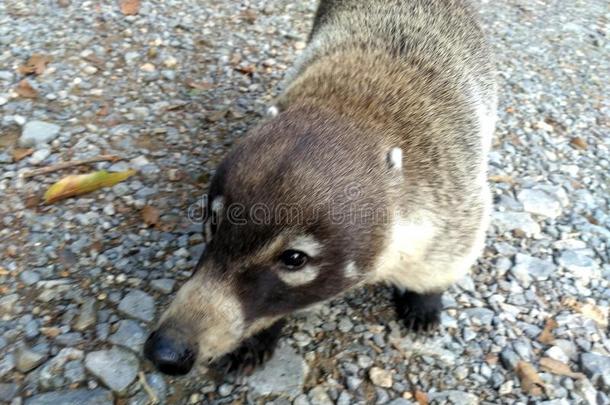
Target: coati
column 372, row 169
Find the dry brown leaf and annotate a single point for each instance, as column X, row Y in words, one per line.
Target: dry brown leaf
column 25, row 89
column 216, row 116
column 20, row 153
column 558, row 368
column 249, row 16
column 531, row 383
column 501, row 178
column 596, row 313
column 421, row 397
column 579, row 143
column 247, row 70
column 199, row 85
column 129, row 7
column 588, row 310
column 546, row 336
column 84, row 183
column 150, row 215
column 35, row 65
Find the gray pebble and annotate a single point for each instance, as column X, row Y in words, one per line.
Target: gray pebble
column 36, row 133
column 139, row 305
column 116, row 368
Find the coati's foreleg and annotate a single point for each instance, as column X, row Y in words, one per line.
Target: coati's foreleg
column 253, row 352
column 419, row 312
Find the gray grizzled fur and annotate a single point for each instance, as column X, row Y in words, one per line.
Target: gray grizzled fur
column 379, row 139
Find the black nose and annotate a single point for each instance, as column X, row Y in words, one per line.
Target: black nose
column 169, row 353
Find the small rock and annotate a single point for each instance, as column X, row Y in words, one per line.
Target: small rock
column 225, row 390
column 39, row 156
column 556, row 353
column 516, row 221
column 284, row 373
column 454, row 397
column 528, row 267
column 97, row 396
column 163, row 285
column 540, row 203
column 345, row 325
column 27, row 359
column 74, row 371
column 38, row 132
column 381, row 377
column 138, row 304
column 29, row 277
column 7, row 304
column 509, row 359
column 130, row 335
column 576, row 261
column 319, row 396
column 482, row 316
column 87, row 315
column 7, row 364
column 116, row 368
column 595, row 366
column 8, row 391
column 400, row 401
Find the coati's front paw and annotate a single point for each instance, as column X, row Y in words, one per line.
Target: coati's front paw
column 253, row 352
column 419, row 312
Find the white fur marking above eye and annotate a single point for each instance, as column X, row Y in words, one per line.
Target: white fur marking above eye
column 299, row 277
column 307, row 244
column 273, row 111
column 395, row 158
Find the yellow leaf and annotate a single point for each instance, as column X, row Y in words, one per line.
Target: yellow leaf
column 84, row 183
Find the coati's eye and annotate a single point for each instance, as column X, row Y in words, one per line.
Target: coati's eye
column 293, row 259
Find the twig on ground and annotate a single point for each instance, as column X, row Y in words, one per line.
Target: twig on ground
column 67, row 165
column 153, row 400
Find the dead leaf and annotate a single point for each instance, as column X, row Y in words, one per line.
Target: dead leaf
column 579, row 143
column 421, row 397
column 20, row 153
column 84, row 183
column 150, row 215
column 32, row 201
column 129, row 7
column 249, row 16
column 25, row 89
column 588, row 310
column 103, row 111
column 501, row 178
column 596, row 313
column 235, row 59
column 546, row 336
column 37, row 64
column 558, row 368
column 531, row 383
column 216, row 116
column 199, row 85
column 247, row 70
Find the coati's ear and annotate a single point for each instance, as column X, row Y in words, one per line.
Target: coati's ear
column 273, row 111
column 394, row 159
column 214, row 218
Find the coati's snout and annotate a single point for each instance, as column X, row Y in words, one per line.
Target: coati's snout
column 171, row 351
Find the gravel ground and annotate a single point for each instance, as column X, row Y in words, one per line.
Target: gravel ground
column 168, row 90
